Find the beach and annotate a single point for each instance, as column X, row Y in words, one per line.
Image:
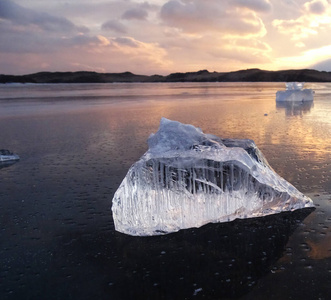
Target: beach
column 76, row 143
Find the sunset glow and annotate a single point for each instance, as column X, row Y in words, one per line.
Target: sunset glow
column 160, row 37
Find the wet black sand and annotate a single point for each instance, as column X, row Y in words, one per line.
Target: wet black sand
column 57, row 238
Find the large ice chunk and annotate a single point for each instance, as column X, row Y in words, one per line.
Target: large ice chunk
column 188, row 179
column 295, row 92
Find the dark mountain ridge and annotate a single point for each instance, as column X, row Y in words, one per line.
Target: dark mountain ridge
column 249, row 75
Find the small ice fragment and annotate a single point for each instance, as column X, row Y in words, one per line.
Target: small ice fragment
column 196, row 291
column 295, row 92
column 188, row 179
column 6, row 155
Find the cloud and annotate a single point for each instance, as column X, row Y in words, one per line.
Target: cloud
column 84, row 41
column 19, row 41
column 317, row 7
column 125, row 54
column 75, row 53
column 115, row 26
column 216, row 52
column 13, row 40
column 131, row 48
column 55, row 43
column 297, row 29
column 162, row 36
column 251, row 45
column 256, row 5
column 126, row 41
column 22, row 16
column 241, row 50
column 135, row 14
column 315, row 17
column 197, row 16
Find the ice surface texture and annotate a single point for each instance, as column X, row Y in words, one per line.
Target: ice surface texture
column 294, row 92
column 188, row 179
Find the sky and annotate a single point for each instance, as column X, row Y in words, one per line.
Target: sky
column 162, row 37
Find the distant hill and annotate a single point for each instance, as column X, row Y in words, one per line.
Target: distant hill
column 250, row 75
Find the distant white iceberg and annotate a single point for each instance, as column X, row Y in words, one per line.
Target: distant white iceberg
column 295, row 92
column 188, row 179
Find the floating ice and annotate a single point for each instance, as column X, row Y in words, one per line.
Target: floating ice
column 188, row 179
column 294, row 92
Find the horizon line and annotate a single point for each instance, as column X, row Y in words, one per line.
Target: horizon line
column 177, row 72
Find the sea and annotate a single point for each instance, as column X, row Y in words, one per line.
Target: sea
column 76, row 143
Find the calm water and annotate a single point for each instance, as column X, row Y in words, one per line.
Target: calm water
column 76, row 143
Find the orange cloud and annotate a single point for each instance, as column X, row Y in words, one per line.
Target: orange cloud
column 315, row 17
column 225, row 17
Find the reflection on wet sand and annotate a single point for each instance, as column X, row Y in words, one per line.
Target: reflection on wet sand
column 320, row 250
column 286, row 143
column 318, row 238
column 212, row 262
column 295, row 108
column 5, row 164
